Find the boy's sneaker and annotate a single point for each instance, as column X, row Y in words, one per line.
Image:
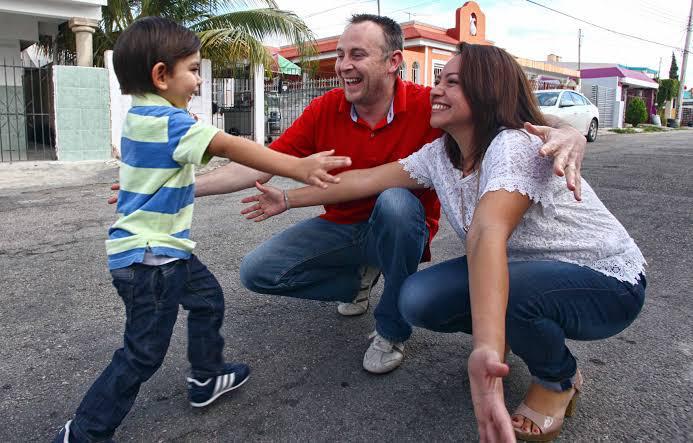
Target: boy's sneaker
column 382, row 355
column 65, row 436
column 204, row 392
column 359, row 305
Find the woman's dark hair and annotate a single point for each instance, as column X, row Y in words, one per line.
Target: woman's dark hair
column 499, row 97
column 145, row 43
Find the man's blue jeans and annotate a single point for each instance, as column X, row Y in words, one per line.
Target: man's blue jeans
column 151, row 295
column 548, row 302
column 319, row 260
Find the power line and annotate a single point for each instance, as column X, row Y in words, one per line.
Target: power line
column 337, row 7
column 603, row 28
column 413, row 6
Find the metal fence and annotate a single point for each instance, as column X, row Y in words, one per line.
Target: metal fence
column 26, row 112
column 540, row 85
column 285, row 100
column 686, row 115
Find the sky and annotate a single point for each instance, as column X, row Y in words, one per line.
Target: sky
column 530, row 31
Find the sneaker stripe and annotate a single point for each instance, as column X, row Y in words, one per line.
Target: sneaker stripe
column 197, row 382
column 66, row 438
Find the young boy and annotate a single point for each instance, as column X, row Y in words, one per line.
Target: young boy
column 149, row 249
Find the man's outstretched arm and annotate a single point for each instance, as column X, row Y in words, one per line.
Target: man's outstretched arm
column 227, row 179
column 567, row 147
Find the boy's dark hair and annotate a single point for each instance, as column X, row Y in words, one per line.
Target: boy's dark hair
column 392, row 32
column 143, row 44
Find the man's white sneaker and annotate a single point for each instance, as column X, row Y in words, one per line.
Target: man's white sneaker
column 382, row 355
column 369, row 278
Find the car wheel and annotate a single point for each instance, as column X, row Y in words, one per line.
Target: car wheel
column 592, row 131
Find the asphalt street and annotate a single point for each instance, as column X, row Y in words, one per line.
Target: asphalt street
column 61, row 320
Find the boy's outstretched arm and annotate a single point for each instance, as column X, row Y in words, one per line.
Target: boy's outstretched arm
column 310, row 170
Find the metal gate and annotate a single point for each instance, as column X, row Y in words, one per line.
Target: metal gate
column 27, row 129
column 232, row 104
column 605, row 100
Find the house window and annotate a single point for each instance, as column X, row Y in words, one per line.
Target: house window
column 403, row 71
column 415, row 72
column 437, row 69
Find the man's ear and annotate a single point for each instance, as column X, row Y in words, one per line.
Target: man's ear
column 395, row 60
column 160, row 76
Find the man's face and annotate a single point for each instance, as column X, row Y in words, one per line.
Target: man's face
column 361, row 63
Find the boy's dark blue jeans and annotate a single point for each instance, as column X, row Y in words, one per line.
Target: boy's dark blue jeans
column 151, row 295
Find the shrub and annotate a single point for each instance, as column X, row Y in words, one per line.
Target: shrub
column 636, row 112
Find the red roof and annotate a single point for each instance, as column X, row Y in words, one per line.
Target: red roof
column 411, row 31
column 415, row 31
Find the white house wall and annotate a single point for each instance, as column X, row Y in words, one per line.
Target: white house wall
column 18, row 27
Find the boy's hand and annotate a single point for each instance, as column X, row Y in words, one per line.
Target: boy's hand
column 313, row 170
column 114, row 198
column 269, row 203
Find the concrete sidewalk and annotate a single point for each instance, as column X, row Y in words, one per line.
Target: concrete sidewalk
column 61, row 320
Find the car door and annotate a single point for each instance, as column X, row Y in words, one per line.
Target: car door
column 567, row 109
column 582, row 113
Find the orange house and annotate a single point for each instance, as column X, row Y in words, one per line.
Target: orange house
column 426, row 47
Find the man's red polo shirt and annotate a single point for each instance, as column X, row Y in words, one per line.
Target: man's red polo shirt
column 327, row 124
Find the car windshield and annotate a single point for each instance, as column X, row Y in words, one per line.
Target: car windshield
column 547, row 98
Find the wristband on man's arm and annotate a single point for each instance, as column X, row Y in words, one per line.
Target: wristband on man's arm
column 286, row 200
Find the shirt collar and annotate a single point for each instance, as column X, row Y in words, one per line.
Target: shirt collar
column 149, row 99
column 398, row 104
column 390, row 113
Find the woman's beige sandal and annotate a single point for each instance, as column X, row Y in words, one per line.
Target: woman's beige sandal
column 549, row 427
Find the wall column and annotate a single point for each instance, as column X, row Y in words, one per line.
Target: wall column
column 83, row 29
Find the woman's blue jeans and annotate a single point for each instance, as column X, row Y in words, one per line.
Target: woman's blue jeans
column 319, row 260
column 548, row 302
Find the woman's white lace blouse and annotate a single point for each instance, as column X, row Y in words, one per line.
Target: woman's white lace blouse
column 556, row 227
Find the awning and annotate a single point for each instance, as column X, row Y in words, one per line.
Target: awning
column 285, row 66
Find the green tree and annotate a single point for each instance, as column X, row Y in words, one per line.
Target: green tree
column 231, row 31
column 668, row 89
column 636, row 112
column 674, row 69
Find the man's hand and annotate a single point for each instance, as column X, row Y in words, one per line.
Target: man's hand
column 485, row 371
column 567, row 147
column 312, row 170
column 269, row 203
column 114, row 198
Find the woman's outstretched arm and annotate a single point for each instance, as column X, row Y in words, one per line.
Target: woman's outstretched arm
column 495, row 219
column 353, row 185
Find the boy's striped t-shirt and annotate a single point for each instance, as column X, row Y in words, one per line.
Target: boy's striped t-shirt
column 160, row 147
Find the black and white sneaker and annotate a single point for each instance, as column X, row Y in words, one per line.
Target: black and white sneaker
column 204, row 392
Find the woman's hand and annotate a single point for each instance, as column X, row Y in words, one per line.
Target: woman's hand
column 485, row 370
column 312, row 170
column 270, row 202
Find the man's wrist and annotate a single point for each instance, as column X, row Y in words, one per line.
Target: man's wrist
column 287, row 205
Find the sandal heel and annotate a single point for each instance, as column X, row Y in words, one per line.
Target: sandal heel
column 572, row 406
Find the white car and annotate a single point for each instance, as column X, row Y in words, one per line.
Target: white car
column 571, row 107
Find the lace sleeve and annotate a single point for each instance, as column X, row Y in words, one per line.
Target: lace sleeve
column 513, row 163
column 418, row 164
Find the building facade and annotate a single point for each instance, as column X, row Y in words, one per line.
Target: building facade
column 427, row 48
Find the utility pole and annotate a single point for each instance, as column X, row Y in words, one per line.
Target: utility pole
column 659, row 70
column 579, row 46
column 378, row 7
column 686, row 50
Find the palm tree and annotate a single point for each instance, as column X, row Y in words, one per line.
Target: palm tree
column 231, row 31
